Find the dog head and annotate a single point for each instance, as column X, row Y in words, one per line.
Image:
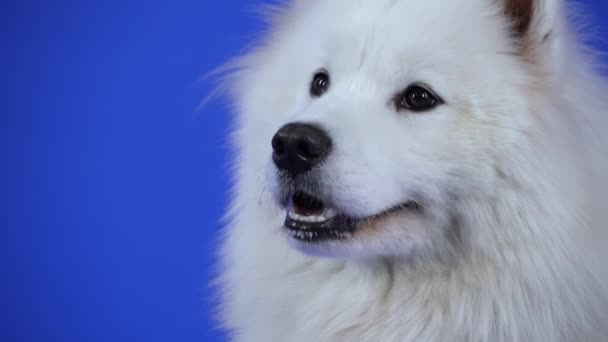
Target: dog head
column 375, row 121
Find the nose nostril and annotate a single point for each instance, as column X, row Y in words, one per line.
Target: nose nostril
column 305, row 149
column 310, row 148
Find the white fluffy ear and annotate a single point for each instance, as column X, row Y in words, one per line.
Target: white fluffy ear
column 536, row 26
column 532, row 19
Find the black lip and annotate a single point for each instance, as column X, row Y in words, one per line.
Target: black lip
column 337, row 228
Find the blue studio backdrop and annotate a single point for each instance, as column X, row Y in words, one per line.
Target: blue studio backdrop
column 112, row 183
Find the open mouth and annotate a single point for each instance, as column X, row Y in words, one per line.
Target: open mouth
column 311, row 220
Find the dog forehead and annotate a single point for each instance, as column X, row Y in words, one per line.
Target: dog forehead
column 348, row 36
column 381, row 30
column 393, row 18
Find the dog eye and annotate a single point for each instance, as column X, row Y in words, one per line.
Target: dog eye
column 319, row 84
column 417, row 98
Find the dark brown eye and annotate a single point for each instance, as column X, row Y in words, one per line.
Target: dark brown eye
column 319, row 84
column 417, row 98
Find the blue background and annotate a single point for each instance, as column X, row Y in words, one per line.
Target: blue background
column 112, row 183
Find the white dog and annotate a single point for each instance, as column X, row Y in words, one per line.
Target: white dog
column 418, row 170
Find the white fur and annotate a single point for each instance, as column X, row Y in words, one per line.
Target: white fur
column 512, row 170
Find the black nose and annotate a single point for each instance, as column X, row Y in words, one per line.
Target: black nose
column 298, row 147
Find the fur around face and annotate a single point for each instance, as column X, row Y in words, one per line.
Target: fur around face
column 511, row 170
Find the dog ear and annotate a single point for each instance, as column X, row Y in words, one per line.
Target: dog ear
column 535, row 25
column 520, row 14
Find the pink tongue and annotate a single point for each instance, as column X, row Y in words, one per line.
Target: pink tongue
column 307, row 205
column 306, row 212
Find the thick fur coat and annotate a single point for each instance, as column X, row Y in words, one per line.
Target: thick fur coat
column 508, row 173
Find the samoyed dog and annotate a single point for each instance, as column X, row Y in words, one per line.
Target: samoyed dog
column 414, row 170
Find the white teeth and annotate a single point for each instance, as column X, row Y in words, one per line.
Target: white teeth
column 306, row 218
column 296, row 216
column 327, row 215
column 312, row 219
